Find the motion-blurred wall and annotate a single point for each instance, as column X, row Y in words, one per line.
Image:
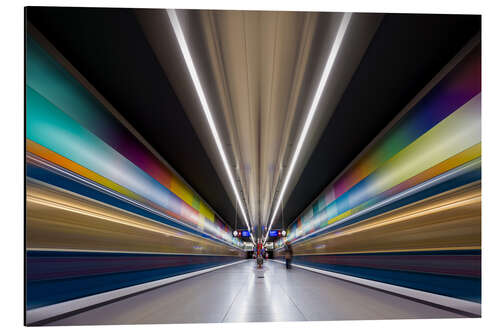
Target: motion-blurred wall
column 408, row 210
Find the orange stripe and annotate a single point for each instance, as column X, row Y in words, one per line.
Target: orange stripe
column 68, row 164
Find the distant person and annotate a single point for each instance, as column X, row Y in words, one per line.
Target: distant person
column 260, row 261
column 288, row 255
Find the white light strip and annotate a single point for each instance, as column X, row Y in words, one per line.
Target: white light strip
column 319, row 92
column 174, row 20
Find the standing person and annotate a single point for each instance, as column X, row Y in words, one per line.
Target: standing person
column 260, row 261
column 288, row 255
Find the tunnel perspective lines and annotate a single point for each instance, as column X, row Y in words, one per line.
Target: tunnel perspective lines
column 375, row 206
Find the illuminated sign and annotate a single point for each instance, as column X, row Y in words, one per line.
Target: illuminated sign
column 276, row 233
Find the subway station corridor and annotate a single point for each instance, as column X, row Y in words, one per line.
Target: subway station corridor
column 206, row 166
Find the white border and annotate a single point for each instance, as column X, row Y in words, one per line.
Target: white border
column 12, row 135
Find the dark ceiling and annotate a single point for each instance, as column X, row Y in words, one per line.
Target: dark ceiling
column 110, row 50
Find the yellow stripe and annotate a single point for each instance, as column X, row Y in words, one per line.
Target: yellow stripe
column 181, row 190
column 205, row 211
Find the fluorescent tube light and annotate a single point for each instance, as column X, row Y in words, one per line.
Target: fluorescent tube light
column 174, row 20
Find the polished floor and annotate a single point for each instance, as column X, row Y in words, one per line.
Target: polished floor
column 243, row 293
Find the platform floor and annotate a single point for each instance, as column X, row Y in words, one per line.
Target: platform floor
column 243, row 293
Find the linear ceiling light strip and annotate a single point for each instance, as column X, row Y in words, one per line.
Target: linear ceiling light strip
column 174, row 20
column 319, row 92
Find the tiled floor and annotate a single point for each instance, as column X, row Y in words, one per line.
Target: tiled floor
column 244, row 293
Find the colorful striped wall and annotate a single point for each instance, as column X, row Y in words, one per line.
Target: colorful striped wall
column 67, row 126
column 438, row 135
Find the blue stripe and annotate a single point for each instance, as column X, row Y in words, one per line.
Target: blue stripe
column 433, row 252
column 51, row 291
column 454, row 286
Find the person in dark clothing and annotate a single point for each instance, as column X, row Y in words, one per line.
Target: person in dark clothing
column 288, row 255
